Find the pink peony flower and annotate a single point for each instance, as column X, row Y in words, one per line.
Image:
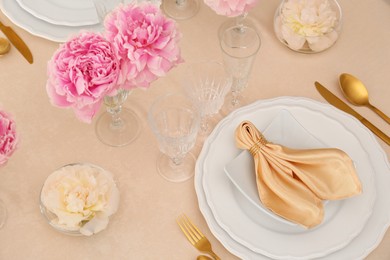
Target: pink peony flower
column 8, row 137
column 146, row 42
column 81, row 72
column 231, row 8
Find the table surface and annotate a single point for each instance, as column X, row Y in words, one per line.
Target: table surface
column 144, row 226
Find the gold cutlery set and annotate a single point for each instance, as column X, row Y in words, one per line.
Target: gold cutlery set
column 357, row 94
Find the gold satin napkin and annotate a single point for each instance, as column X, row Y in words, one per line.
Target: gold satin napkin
column 293, row 183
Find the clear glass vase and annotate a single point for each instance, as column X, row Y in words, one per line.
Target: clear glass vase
column 118, row 126
column 308, row 27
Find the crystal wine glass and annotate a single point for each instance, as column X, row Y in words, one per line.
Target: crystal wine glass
column 207, row 84
column 239, row 45
column 117, row 126
column 180, row 9
column 175, row 121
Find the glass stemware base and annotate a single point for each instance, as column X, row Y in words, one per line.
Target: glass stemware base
column 119, row 133
column 242, row 20
column 180, row 9
column 233, row 102
column 176, row 172
column 3, row 214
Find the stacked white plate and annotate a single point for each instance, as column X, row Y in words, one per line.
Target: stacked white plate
column 55, row 20
column 352, row 228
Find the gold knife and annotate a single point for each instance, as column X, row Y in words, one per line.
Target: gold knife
column 335, row 101
column 17, row 42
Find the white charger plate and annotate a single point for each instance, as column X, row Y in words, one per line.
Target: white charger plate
column 62, row 12
column 327, row 124
column 38, row 27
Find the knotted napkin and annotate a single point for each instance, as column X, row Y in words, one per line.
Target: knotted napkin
column 293, row 183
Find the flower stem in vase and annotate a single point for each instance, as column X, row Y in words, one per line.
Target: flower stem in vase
column 118, row 126
column 241, row 19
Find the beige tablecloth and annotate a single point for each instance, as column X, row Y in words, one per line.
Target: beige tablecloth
column 144, row 227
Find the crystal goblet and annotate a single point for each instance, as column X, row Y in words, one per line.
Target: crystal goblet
column 207, row 84
column 117, row 126
column 180, row 9
column 175, row 121
column 239, row 45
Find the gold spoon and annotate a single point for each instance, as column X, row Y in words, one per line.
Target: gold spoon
column 354, row 90
column 4, row 46
column 203, row 257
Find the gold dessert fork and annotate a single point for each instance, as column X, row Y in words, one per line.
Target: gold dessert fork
column 193, row 234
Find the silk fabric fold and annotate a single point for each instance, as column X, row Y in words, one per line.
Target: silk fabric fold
column 293, row 183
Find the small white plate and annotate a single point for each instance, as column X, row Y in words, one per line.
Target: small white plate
column 284, row 129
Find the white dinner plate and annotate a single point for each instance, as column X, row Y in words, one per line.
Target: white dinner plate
column 335, row 129
column 38, row 27
column 344, row 219
column 62, row 12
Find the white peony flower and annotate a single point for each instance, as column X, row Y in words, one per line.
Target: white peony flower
column 82, row 196
column 310, row 22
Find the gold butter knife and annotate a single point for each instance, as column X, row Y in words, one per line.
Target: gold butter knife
column 17, row 42
column 335, row 101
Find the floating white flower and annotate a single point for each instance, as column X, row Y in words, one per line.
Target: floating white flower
column 311, row 22
column 82, row 197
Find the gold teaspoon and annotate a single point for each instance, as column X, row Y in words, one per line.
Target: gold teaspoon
column 356, row 93
column 203, row 257
column 4, row 46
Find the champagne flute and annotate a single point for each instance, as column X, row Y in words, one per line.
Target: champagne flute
column 239, row 45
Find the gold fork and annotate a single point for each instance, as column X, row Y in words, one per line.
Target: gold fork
column 193, row 234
